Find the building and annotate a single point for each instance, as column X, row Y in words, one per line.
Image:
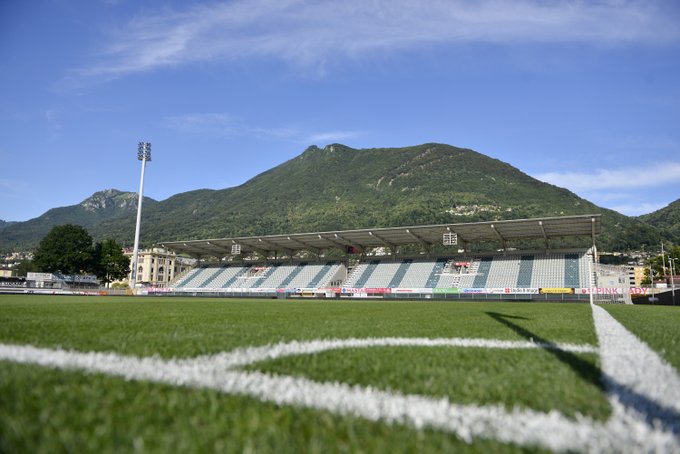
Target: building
column 157, row 267
column 637, row 275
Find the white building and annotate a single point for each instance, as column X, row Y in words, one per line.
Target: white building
column 157, row 267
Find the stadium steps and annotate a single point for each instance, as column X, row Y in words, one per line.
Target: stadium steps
column 526, row 267
column 275, row 278
column 503, row 272
column 548, row 270
column 354, row 274
column 227, row 273
column 435, row 274
column 265, row 275
column 184, row 280
column 197, row 279
column 292, row 275
column 401, row 272
column 211, row 278
column 482, row 272
column 571, row 271
column 316, row 280
column 382, row 275
column 236, row 277
column 417, row 274
column 373, row 264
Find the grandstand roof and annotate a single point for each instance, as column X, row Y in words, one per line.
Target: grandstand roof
column 426, row 235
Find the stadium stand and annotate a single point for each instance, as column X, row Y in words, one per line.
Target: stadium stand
column 359, row 272
column 417, row 275
column 521, row 270
column 436, row 273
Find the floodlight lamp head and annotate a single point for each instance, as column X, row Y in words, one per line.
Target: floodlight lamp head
column 144, row 151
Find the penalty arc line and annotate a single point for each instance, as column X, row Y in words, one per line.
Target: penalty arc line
column 219, row 372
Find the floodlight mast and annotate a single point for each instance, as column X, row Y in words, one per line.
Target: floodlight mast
column 672, row 263
column 144, row 155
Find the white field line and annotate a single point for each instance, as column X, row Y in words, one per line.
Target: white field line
column 643, row 389
column 525, row 427
column 250, row 355
column 217, row 372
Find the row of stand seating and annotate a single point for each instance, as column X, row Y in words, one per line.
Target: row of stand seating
column 521, row 270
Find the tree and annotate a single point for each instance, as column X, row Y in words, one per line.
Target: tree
column 66, row 249
column 661, row 265
column 110, row 262
column 24, row 267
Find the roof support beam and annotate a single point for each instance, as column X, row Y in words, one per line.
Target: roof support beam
column 270, row 247
column 592, row 231
column 498, row 234
column 310, row 248
column 418, row 238
column 545, row 235
column 392, row 247
column 218, row 248
column 337, row 244
column 259, row 246
column 345, row 242
column 197, row 250
column 263, row 252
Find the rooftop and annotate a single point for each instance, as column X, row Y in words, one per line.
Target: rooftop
column 426, row 235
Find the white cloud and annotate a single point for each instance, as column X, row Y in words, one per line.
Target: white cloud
column 225, row 125
column 331, row 136
column 53, row 119
column 311, row 32
column 632, row 191
column 637, row 209
column 214, row 124
column 640, row 176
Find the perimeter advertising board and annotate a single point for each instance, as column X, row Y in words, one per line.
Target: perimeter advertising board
column 556, row 291
column 614, row 291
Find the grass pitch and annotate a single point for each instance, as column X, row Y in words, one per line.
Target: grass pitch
column 46, row 410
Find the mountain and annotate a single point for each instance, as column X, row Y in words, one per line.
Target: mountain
column 91, row 212
column 4, row 224
column 667, row 219
column 338, row 187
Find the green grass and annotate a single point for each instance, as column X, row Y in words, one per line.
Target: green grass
column 44, row 410
column 658, row 326
column 47, row 411
column 182, row 327
column 465, row 375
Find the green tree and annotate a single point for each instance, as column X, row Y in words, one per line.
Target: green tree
column 661, row 265
column 110, row 262
column 24, row 267
column 66, row 249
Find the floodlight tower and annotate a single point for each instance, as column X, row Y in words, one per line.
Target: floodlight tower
column 144, row 155
column 672, row 263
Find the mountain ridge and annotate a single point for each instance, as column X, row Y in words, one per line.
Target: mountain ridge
column 338, row 187
column 666, row 218
column 89, row 213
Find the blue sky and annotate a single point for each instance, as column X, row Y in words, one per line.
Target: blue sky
column 581, row 94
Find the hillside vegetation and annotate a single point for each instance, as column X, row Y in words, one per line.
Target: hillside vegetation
column 338, row 187
column 666, row 219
